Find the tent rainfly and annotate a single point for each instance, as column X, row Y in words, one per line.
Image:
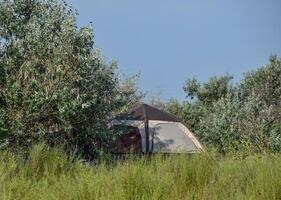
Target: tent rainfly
column 159, row 131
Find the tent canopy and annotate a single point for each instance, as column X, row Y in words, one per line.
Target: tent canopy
column 144, row 111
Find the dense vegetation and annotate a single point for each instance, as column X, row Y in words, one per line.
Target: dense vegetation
column 245, row 116
column 50, row 174
column 56, row 88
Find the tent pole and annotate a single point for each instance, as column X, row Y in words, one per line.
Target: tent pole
column 146, row 130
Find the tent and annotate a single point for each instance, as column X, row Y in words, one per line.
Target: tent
column 158, row 130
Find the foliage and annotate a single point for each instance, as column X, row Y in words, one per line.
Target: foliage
column 56, row 87
column 53, row 84
column 50, row 174
column 246, row 116
column 214, row 89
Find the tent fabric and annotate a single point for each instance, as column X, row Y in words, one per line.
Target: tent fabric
column 130, row 141
column 165, row 132
column 173, row 137
column 144, row 111
column 166, row 137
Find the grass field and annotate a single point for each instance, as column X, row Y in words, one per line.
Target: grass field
column 50, row 174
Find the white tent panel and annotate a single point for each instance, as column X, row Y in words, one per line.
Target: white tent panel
column 168, row 137
column 172, row 137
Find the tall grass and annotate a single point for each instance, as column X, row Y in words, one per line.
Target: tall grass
column 50, row 174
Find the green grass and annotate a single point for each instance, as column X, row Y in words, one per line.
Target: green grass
column 50, row 174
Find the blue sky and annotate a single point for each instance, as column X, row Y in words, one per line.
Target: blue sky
column 168, row 41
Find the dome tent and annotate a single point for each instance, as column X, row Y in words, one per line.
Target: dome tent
column 160, row 131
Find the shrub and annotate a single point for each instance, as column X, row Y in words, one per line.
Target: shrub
column 245, row 117
column 54, row 86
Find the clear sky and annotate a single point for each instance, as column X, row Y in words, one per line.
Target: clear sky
column 167, row 41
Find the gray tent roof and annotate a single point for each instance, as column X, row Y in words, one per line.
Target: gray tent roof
column 142, row 111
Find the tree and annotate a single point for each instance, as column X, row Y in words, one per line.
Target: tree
column 244, row 116
column 209, row 92
column 53, row 84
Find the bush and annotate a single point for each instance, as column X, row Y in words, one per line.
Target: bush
column 54, row 86
column 245, row 117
